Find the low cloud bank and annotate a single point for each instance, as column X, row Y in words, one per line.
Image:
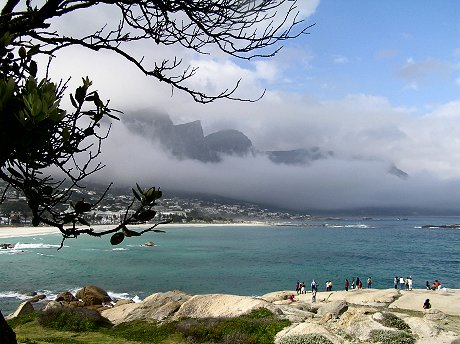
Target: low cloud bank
column 328, row 184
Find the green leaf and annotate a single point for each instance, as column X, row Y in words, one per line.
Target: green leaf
column 47, row 190
column 33, row 68
column 80, row 94
column 158, row 194
column 33, row 204
column 88, row 131
column 22, row 52
column 113, row 117
column 83, row 221
column 35, row 221
column 117, row 238
column 72, row 100
column 97, row 117
column 65, row 134
column 82, row 207
column 137, row 195
column 146, row 215
column 129, row 233
column 15, row 173
column 34, row 50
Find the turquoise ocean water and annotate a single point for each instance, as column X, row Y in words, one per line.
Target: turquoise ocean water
column 236, row 259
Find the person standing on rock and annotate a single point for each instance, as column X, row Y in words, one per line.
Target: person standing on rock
column 314, row 286
column 402, row 282
column 369, row 282
column 353, row 283
column 347, row 284
column 395, row 281
column 410, row 282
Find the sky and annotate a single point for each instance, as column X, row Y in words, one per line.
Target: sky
column 375, row 82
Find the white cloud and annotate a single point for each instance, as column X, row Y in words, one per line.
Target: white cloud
column 325, row 184
column 367, row 132
column 415, row 71
column 340, row 59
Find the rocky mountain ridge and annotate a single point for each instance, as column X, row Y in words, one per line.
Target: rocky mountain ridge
column 187, row 141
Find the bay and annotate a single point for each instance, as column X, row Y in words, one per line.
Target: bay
column 244, row 260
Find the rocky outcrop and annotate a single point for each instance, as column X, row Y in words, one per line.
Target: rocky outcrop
column 92, row 295
column 298, row 156
column 335, row 308
column 307, row 328
column 66, row 297
column 219, row 305
column 187, row 140
column 359, row 322
column 443, row 300
column 228, row 142
column 53, row 305
column 158, row 306
column 24, row 308
column 334, row 316
column 6, row 246
column 37, row 298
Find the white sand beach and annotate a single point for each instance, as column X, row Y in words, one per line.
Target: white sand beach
column 14, row 232
column 26, row 231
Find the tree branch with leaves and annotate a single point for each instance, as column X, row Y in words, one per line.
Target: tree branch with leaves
column 48, row 151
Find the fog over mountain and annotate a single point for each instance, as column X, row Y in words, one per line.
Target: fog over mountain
column 363, row 112
column 150, row 149
column 187, row 141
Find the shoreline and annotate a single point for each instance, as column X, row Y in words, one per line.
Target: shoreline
column 28, row 231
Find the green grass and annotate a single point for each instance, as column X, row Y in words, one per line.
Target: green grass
column 258, row 327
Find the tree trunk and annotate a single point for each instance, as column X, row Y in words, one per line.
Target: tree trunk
column 7, row 335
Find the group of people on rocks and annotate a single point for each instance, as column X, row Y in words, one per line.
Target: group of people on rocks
column 300, row 287
column 399, row 283
column 405, row 283
column 355, row 284
column 436, row 285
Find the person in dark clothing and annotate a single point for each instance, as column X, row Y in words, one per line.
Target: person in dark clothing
column 427, row 304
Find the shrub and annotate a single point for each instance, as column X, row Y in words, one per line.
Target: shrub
column 391, row 320
column 258, row 327
column 391, row 337
column 73, row 319
column 260, row 323
column 25, row 340
column 143, row 331
column 311, row 338
column 260, row 313
column 24, row 319
column 239, row 338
